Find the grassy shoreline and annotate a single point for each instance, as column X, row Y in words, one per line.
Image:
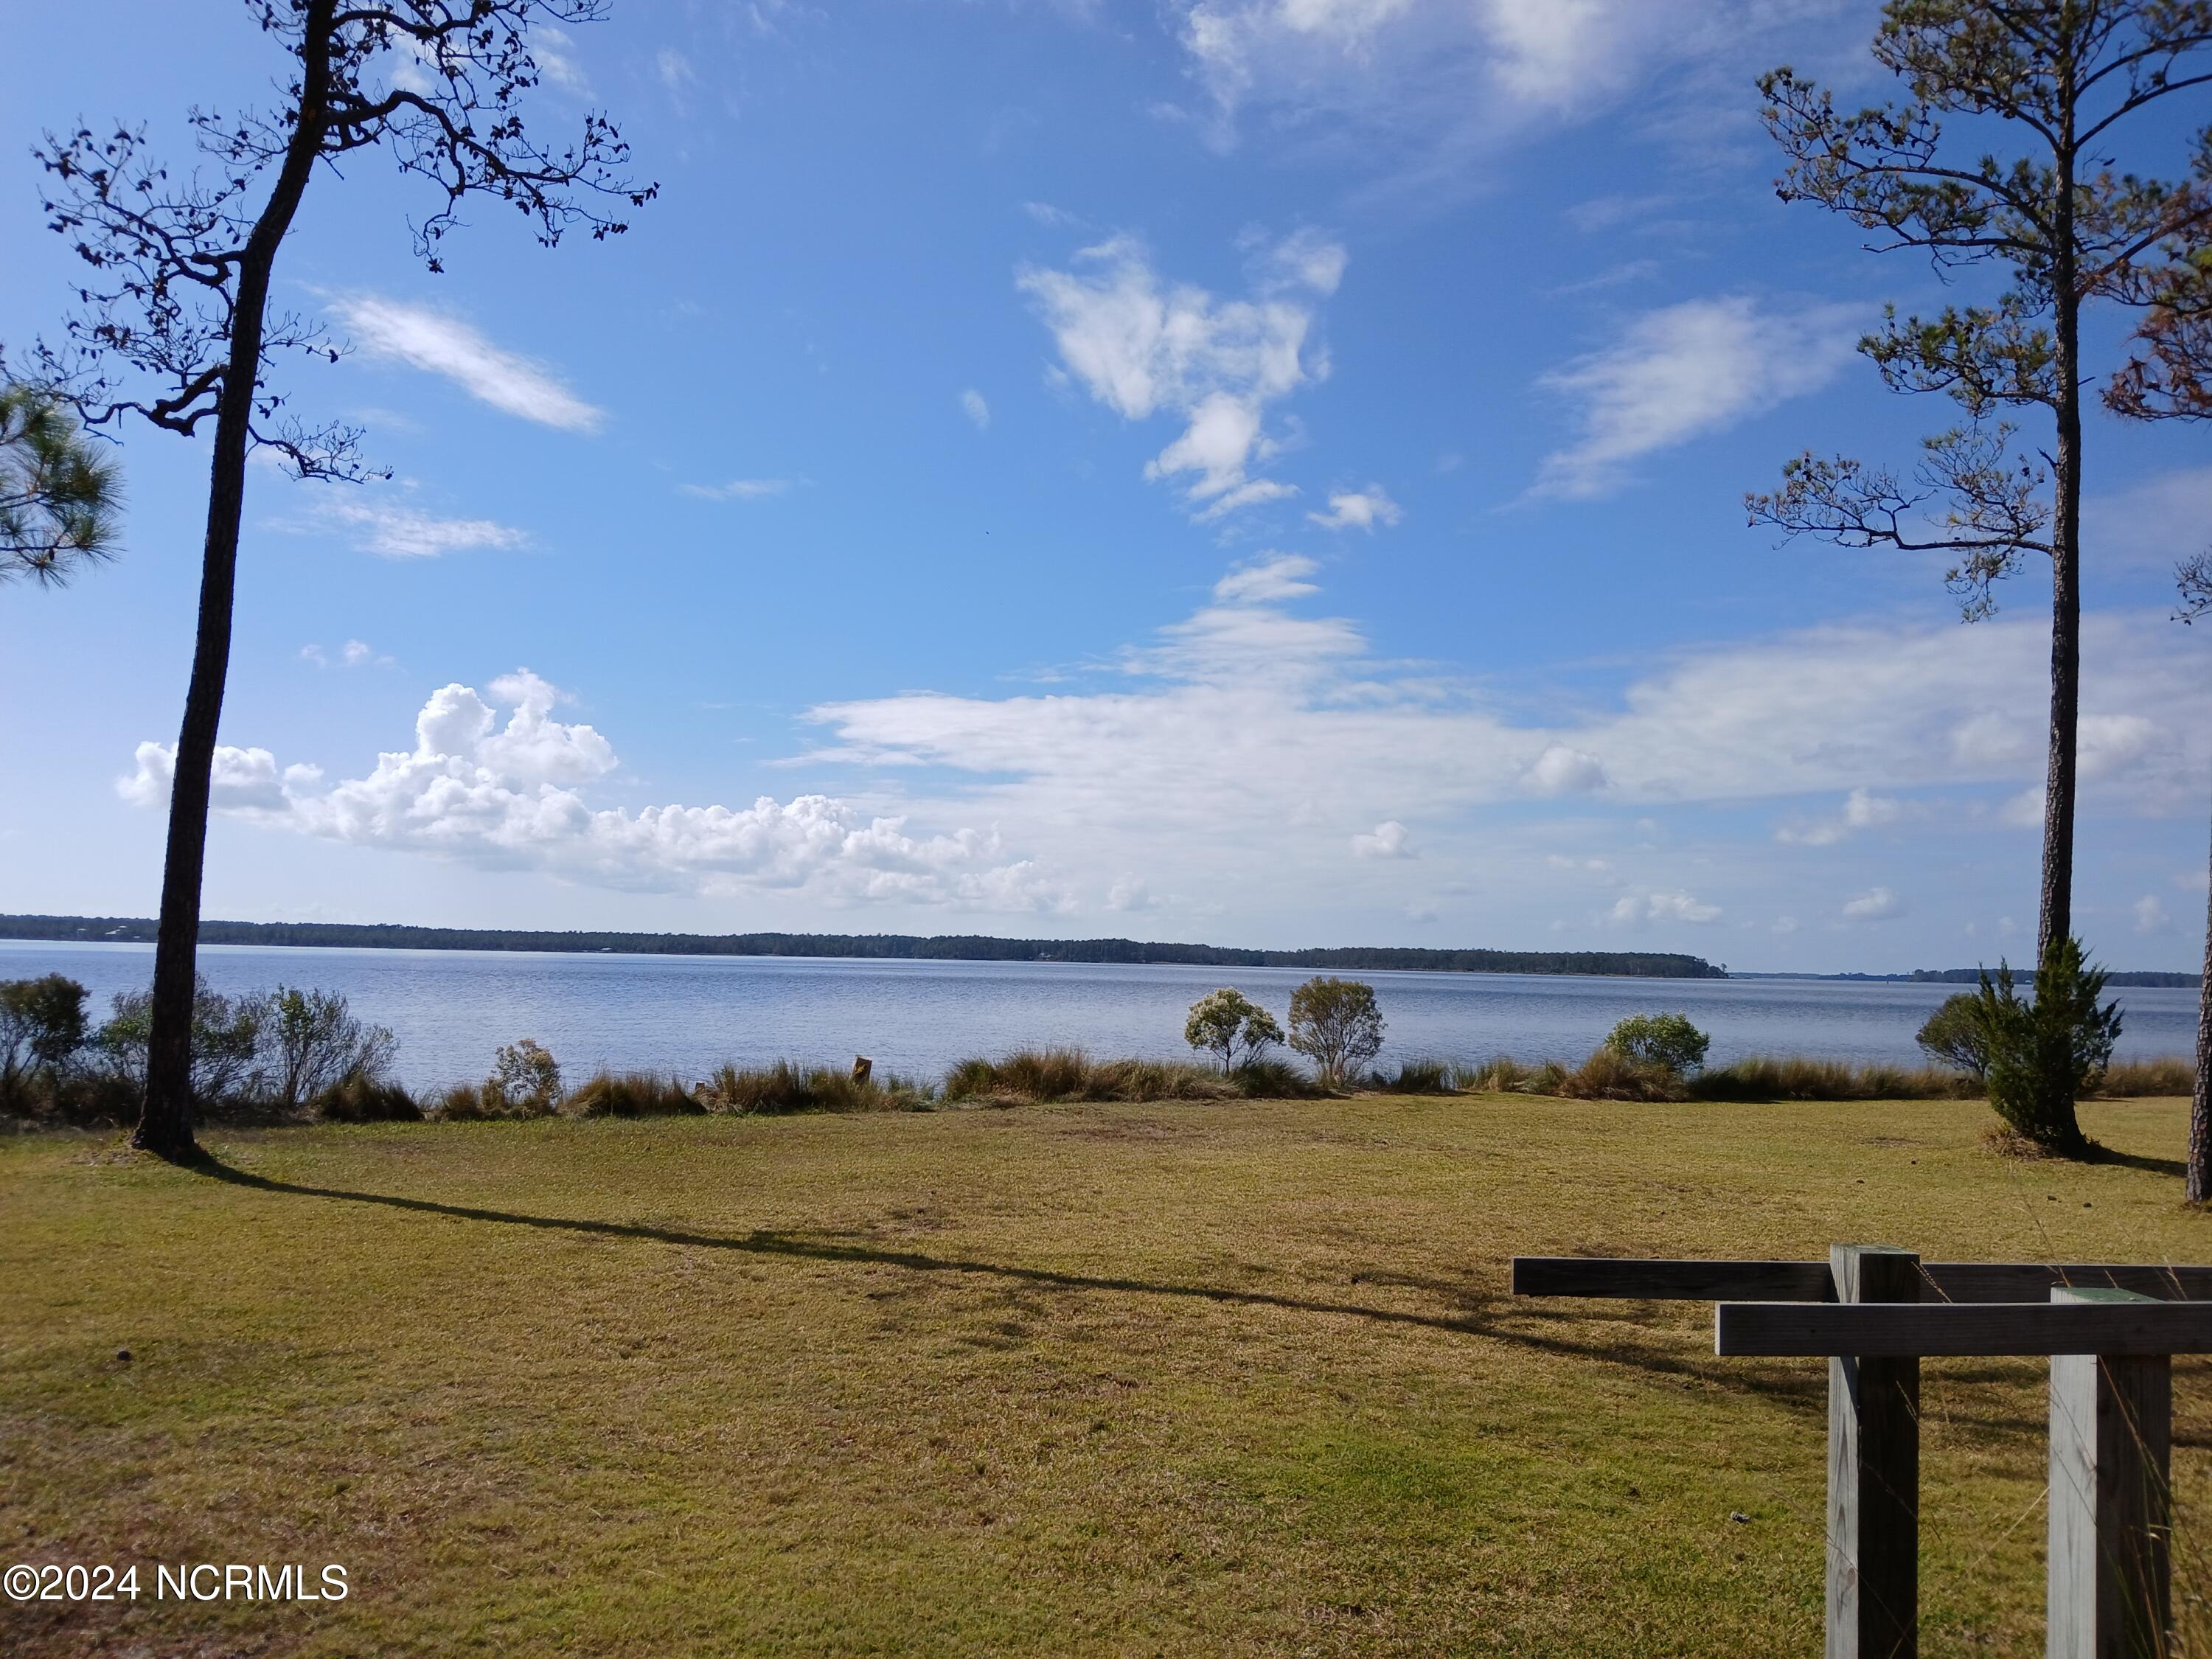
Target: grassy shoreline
column 1057, row 1379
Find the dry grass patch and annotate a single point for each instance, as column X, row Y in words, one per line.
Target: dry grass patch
column 1220, row 1377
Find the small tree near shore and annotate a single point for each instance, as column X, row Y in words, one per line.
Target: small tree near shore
column 1336, row 1024
column 1955, row 1035
column 1668, row 1041
column 1225, row 1021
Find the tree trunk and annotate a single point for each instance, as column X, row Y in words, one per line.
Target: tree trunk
column 164, row 1124
column 2198, row 1183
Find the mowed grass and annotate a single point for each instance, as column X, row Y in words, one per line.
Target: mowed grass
column 1216, row 1378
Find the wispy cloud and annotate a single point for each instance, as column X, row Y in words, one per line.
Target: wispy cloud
column 1684, row 372
column 1142, row 346
column 443, row 344
column 973, row 406
column 394, row 532
column 738, row 489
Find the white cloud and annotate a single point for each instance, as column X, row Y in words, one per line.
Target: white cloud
column 1052, row 218
column 1862, row 809
column 1875, row 904
column 1386, row 841
column 1142, row 347
column 1637, row 909
column 973, row 406
column 405, row 532
column 674, row 69
column 1448, row 77
column 1359, row 509
column 1130, row 894
column 556, row 62
column 508, row 796
column 1272, row 577
column 1560, row 770
column 443, row 344
column 2150, row 915
column 738, row 489
column 1785, row 924
column 1683, row 372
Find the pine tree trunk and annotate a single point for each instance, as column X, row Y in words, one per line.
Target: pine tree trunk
column 2198, row 1182
column 164, row 1124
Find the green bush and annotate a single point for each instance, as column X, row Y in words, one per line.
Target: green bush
column 311, row 1041
column 1337, row 1024
column 632, row 1094
column 2045, row 1054
column 1956, row 1036
column 526, row 1077
column 1666, row 1041
column 42, row 1027
column 227, row 1045
column 1028, row 1076
column 1272, row 1079
column 1227, row 1021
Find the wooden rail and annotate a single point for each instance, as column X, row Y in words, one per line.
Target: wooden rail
column 1814, row 1281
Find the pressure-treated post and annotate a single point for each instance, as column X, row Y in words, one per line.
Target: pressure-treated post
column 2111, row 1513
column 1873, row 1473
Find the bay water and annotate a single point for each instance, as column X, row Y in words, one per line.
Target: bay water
column 687, row 1015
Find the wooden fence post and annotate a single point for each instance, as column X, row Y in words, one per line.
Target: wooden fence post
column 2112, row 1514
column 1873, row 1473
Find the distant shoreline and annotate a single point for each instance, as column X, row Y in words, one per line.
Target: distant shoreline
column 139, row 930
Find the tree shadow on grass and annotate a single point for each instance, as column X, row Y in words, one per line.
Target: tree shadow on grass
column 1477, row 1310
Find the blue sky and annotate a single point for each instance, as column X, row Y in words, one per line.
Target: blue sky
column 1267, row 471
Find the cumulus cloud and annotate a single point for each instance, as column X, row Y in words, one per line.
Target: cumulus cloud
column 1387, row 840
column 508, row 795
column 2150, row 915
column 443, row 344
column 1682, row 373
column 1143, row 347
column 973, row 406
column 1560, row 770
column 1875, row 904
column 1358, row 509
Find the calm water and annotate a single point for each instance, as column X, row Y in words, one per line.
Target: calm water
column 688, row 1014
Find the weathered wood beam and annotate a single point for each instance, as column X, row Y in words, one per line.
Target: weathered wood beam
column 2111, row 1502
column 1873, row 1467
column 2144, row 1326
column 1813, row 1281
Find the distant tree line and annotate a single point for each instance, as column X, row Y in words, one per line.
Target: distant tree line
column 2141, row 977
column 959, row 947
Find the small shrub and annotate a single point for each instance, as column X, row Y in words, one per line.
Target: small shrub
column 314, row 1041
column 1502, row 1075
column 469, row 1103
column 1337, row 1024
column 632, row 1094
column 1418, row 1077
column 42, row 1027
column 1226, row 1021
column 2045, row 1054
column 1029, row 1075
column 359, row 1098
column 1611, row 1074
column 526, row 1079
column 1956, row 1036
column 226, row 1045
column 1666, row 1041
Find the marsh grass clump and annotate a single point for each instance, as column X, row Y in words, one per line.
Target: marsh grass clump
column 1032, row 1076
column 1760, row 1077
column 631, row 1094
column 1418, row 1077
column 2169, row 1075
column 1610, row 1074
column 364, row 1098
column 786, row 1088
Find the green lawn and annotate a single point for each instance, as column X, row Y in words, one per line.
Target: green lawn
column 1230, row 1377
